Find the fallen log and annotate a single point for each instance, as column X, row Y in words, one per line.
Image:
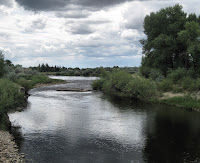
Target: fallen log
column 74, row 90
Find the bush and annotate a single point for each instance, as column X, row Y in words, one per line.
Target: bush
column 141, row 88
column 12, row 76
column 165, row 85
column 10, row 95
column 198, row 84
column 37, row 79
column 177, row 75
column 145, row 71
column 120, row 83
column 98, row 84
column 116, row 81
column 156, row 75
column 10, row 98
column 25, row 83
column 188, row 83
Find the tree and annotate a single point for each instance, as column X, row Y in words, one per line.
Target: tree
column 2, row 64
column 162, row 48
column 190, row 37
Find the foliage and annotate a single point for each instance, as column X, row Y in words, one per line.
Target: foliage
column 145, row 71
column 10, row 98
column 25, row 83
column 165, row 85
column 172, row 41
column 2, row 65
column 176, row 75
column 120, row 83
column 38, row 79
column 116, row 81
column 141, row 88
column 190, row 38
column 57, row 70
column 190, row 84
column 98, row 84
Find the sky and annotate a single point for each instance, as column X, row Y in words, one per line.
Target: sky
column 78, row 33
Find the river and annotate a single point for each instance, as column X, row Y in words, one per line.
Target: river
column 88, row 127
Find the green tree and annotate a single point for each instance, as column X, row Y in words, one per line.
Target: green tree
column 2, row 64
column 190, row 37
column 162, row 49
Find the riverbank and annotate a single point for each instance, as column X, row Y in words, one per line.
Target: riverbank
column 9, row 149
column 12, row 103
column 181, row 100
column 168, row 91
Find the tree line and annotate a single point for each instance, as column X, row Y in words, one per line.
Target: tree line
column 58, row 70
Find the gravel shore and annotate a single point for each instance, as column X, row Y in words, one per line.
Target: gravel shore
column 9, row 150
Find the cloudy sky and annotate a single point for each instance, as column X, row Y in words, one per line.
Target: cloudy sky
column 77, row 33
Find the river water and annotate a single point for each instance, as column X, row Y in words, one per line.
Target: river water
column 88, row 127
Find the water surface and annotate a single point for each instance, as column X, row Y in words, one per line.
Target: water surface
column 89, row 127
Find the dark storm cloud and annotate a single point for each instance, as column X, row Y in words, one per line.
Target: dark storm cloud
column 38, row 5
column 41, row 5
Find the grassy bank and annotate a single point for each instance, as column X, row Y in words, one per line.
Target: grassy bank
column 183, row 89
column 182, row 101
column 32, row 81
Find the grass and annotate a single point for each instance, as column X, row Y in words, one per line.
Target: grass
column 182, row 101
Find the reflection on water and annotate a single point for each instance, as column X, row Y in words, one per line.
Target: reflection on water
column 88, row 127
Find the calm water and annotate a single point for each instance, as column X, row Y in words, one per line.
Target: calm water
column 88, row 127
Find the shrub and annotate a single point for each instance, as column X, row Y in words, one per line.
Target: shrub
column 188, row 83
column 98, row 84
column 165, row 85
column 177, row 89
column 198, row 84
column 156, row 75
column 120, row 83
column 12, row 76
column 116, row 81
column 176, row 75
column 141, row 88
column 25, row 83
column 10, row 98
column 37, row 79
column 10, row 95
column 145, row 71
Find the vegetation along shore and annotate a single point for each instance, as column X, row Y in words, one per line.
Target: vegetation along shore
column 170, row 68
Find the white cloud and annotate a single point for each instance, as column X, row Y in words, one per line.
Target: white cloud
column 77, row 34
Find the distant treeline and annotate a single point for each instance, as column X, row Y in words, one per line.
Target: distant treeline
column 57, row 70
